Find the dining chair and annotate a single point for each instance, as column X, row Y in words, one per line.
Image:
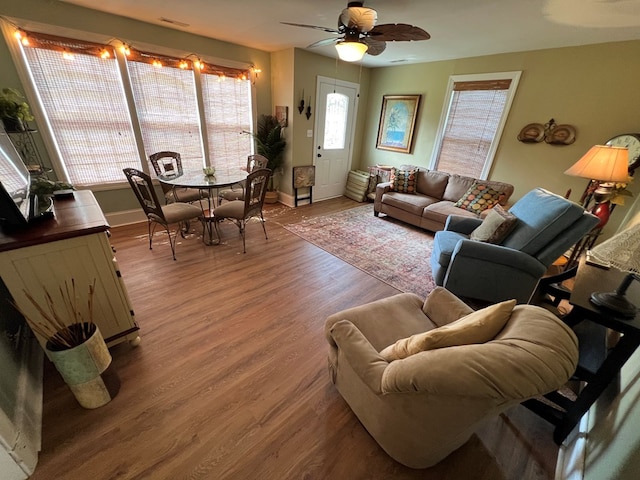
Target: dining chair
column 172, row 213
column 241, row 211
column 236, row 192
column 169, row 164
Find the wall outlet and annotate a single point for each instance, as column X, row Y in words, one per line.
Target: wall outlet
column 309, row 133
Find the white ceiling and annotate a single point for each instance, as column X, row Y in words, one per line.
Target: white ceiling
column 458, row 28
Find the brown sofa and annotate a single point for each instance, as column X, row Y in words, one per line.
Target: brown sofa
column 436, row 194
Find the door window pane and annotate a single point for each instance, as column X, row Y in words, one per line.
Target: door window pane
column 335, row 121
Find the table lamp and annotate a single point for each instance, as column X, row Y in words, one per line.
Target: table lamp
column 604, row 164
column 621, row 251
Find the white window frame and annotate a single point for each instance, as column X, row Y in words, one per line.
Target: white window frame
column 444, row 117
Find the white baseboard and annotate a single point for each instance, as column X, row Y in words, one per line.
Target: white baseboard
column 125, row 217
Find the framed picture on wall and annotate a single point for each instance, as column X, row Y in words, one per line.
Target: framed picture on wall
column 397, row 122
column 282, row 115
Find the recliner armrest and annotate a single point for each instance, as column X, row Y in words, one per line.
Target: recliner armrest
column 496, row 254
column 462, row 224
column 443, row 307
column 363, row 358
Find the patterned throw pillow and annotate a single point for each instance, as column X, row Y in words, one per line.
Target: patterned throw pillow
column 404, row 180
column 495, row 227
column 479, row 197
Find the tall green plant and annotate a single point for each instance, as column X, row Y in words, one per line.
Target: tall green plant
column 270, row 143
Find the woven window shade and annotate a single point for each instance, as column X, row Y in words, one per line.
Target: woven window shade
column 228, row 113
column 472, row 123
column 90, row 118
column 85, row 104
column 167, row 109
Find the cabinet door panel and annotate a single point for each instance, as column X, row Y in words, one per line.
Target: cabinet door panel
column 82, row 259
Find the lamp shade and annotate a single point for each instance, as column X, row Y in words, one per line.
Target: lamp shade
column 351, row 51
column 603, row 163
column 621, row 251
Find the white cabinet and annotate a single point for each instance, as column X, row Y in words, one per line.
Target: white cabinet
column 74, row 245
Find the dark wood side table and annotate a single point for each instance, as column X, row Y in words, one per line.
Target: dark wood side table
column 590, row 279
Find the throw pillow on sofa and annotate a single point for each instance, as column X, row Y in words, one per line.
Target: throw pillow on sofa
column 477, row 327
column 479, row 197
column 495, row 227
column 404, row 180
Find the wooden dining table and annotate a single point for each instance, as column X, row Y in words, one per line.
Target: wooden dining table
column 209, row 183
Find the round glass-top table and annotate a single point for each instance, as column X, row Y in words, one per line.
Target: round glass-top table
column 205, row 182
column 202, row 181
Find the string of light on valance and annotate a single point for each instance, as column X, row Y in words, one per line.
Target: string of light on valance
column 68, row 47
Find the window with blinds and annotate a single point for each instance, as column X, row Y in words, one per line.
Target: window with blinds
column 91, row 119
column 82, row 94
column 472, row 123
column 167, row 108
column 228, row 113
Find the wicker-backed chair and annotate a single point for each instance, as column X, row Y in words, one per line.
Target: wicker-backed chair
column 240, row 211
column 173, row 213
column 254, row 162
column 169, row 164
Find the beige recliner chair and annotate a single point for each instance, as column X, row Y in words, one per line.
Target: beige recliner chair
column 423, row 407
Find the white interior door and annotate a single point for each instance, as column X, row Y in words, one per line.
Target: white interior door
column 335, row 121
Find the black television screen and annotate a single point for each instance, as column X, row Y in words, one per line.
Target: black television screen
column 15, row 184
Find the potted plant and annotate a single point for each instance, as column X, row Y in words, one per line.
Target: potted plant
column 271, row 144
column 75, row 345
column 14, row 110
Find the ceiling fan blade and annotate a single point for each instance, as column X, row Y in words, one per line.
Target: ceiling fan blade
column 376, row 47
column 315, row 27
column 398, row 32
column 322, row 43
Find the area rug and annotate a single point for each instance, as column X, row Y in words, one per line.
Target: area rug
column 390, row 250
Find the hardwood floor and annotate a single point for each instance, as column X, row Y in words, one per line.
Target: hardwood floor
column 230, row 380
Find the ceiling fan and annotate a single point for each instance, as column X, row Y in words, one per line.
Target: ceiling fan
column 359, row 33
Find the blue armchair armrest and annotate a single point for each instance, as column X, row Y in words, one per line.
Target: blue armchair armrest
column 461, row 224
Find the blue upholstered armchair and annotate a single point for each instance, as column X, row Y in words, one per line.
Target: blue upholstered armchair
column 547, row 226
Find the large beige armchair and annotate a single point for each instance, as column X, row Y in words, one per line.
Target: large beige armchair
column 423, row 407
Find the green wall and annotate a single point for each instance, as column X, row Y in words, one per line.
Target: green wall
column 573, row 85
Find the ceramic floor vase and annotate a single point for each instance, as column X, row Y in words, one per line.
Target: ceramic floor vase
column 87, row 369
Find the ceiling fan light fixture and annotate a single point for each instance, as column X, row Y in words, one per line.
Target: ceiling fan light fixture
column 351, row 51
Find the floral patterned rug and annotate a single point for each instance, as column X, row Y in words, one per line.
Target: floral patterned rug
column 390, row 250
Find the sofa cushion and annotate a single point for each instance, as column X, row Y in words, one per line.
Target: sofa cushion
column 440, row 211
column 479, row 197
column 432, row 183
column 495, row 227
column 477, row 327
column 456, row 187
column 408, row 202
column 404, row 181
